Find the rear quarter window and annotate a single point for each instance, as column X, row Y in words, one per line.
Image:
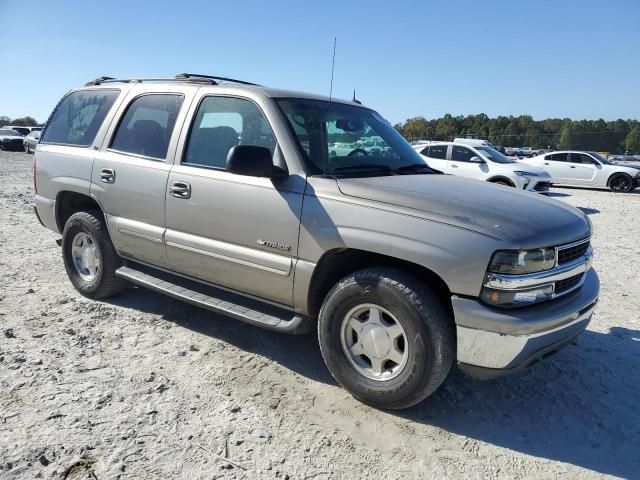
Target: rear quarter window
column 78, row 117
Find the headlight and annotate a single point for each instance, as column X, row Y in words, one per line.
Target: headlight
column 521, row 173
column 516, row 298
column 517, row 262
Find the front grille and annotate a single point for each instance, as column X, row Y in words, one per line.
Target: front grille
column 569, row 254
column 542, row 186
column 12, row 144
column 567, row 284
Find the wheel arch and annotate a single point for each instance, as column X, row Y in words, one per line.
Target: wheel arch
column 617, row 173
column 501, row 178
column 69, row 202
column 337, row 263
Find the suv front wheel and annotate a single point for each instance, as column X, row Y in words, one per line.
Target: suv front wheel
column 89, row 256
column 386, row 338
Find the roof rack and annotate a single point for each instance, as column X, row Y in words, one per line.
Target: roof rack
column 101, row 80
column 181, row 77
column 196, row 76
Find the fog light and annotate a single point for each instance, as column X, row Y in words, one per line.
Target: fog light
column 516, row 298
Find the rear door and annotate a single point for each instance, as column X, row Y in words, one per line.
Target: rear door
column 582, row 168
column 131, row 169
column 556, row 165
column 437, row 157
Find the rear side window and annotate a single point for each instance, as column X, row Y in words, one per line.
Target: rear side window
column 78, row 117
column 220, row 124
column 558, row 157
column 438, row 151
column 147, row 125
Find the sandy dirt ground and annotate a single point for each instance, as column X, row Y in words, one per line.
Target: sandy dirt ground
column 142, row 386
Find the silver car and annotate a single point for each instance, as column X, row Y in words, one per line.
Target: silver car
column 31, row 140
column 225, row 194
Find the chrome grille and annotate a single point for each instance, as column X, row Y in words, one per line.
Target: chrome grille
column 571, row 252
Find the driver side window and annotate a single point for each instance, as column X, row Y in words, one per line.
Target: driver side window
column 461, row 154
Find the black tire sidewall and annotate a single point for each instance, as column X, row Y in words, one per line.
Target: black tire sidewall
column 615, row 177
column 80, row 223
column 423, row 348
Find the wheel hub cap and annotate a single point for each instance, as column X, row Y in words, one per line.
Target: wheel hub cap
column 85, row 256
column 374, row 342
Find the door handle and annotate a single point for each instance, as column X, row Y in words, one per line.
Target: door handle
column 546, row 163
column 108, row 175
column 454, row 166
column 572, row 166
column 180, row 189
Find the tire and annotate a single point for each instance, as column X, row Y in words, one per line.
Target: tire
column 621, row 183
column 428, row 342
column 90, row 227
column 27, row 148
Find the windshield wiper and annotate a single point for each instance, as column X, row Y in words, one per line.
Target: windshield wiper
column 362, row 166
column 414, row 166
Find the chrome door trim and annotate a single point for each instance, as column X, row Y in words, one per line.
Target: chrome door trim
column 250, row 257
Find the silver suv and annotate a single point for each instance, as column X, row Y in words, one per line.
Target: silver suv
column 226, row 195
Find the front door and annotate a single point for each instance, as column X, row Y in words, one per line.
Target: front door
column 582, row 168
column 235, row 231
column 461, row 165
column 130, row 173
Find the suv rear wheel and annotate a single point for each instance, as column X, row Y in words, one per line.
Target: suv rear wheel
column 386, row 338
column 89, row 256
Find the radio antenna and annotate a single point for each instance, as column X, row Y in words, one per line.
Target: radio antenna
column 333, row 64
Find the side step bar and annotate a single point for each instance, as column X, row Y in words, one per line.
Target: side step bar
column 217, row 300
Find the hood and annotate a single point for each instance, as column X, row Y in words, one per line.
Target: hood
column 527, row 220
column 12, row 137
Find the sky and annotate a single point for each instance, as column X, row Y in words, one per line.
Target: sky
column 576, row 59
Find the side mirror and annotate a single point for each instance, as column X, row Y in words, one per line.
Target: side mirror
column 253, row 161
column 476, row 159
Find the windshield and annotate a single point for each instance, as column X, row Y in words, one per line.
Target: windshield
column 8, row 132
column 339, row 139
column 600, row 158
column 494, row 155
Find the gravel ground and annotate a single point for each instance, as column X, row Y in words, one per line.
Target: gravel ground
column 143, row 386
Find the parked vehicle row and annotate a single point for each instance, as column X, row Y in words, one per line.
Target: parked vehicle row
column 483, row 162
column 227, row 196
column 587, row 169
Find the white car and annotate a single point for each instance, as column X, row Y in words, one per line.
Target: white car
column 483, row 162
column 586, row 169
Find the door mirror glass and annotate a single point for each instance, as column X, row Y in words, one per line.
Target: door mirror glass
column 253, row 161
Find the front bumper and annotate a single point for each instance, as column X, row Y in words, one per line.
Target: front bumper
column 494, row 342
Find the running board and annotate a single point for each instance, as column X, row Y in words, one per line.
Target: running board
column 217, row 300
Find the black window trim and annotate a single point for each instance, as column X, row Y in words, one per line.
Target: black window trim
column 187, row 138
column 71, row 92
column 121, row 118
column 474, row 154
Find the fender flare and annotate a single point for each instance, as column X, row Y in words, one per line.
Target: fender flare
column 501, row 178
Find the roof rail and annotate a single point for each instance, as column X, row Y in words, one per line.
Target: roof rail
column 196, row 76
column 101, row 80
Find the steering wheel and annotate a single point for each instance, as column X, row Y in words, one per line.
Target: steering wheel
column 358, row 152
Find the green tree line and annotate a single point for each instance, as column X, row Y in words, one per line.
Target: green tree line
column 616, row 136
column 19, row 122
